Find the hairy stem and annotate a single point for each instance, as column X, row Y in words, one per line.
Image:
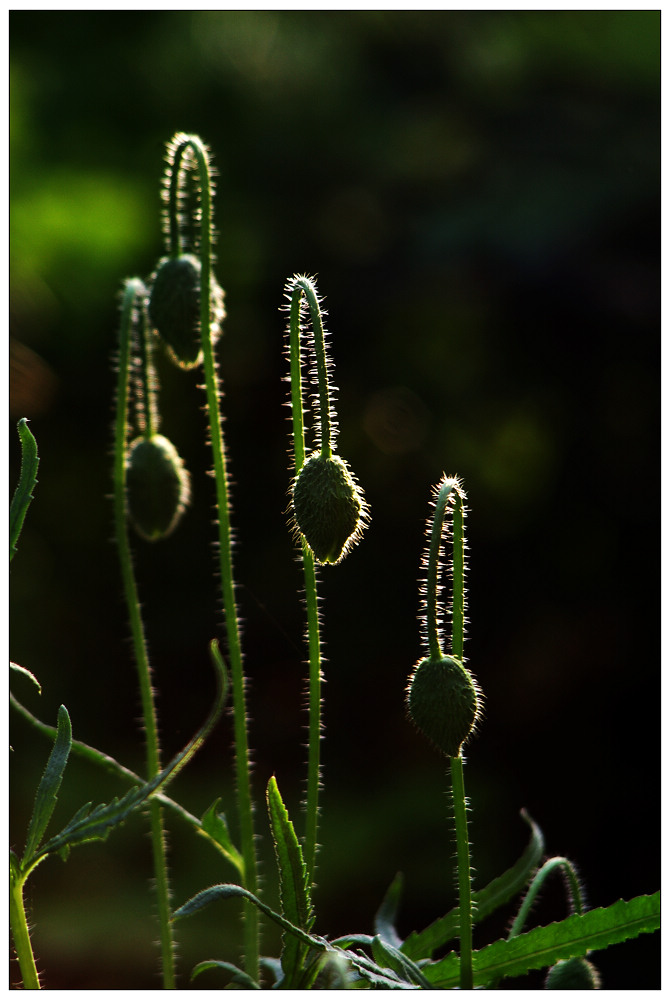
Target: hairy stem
column 147, row 379
column 297, row 288
column 568, row 869
column 319, row 340
column 449, row 498
column 464, row 878
column 242, row 761
column 133, row 299
column 20, row 932
column 112, row 767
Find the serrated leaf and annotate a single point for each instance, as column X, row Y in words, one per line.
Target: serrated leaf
column 26, row 673
column 544, row 946
column 422, row 944
column 96, row 824
column 293, row 888
column 47, row 791
column 365, row 967
column 387, row 913
column 25, row 486
column 239, row 977
column 214, row 825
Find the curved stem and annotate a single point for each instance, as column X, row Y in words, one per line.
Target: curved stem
column 177, row 149
column 181, row 143
column 464, row 876
column 576, row 904
column 449, row 497
column 319, row 339
column 114, row 768
column 134, row 293
column 296, row 289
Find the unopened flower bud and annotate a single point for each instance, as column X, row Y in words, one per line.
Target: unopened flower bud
column 573, row 974
column 174, row 308
column 443, row 702
column 158, row 488
column 329, row 507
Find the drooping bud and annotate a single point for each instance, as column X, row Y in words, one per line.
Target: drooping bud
column 174, row 308
column 443, row 702
column 328, row 506
column 157, row 487
column 573, row 974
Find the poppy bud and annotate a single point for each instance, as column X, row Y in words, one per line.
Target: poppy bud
column 443, row 702
column 157, row 486
column 329, row 507
column 572, row 974
column 174, row 308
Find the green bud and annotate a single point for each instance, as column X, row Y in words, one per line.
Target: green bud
column 573, row 974
column 329, row 507
column 157, row 487
column 443, row 702
column 174, row 308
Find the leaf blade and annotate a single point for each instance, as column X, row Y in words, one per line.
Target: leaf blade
column 23, row 495
column 422, row 944
column 386, row 915
column 47, row 790
column 293, row 887
column 544, row 946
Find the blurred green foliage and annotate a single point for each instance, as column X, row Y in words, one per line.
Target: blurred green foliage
column 478, row 192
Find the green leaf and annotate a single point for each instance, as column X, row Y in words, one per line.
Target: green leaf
column 89, row 824
column 239, row 977
column 47, row 791
column 367, row 969
column 229, row 891
column 213, row 825
column 544, row 946
column 387, row 913
column 96, row 824
column 26, row 484
column 293, row 888
column 423, row 944
column 26, row 673
column 391, row 958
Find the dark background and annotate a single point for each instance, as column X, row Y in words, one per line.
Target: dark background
column 478, row 193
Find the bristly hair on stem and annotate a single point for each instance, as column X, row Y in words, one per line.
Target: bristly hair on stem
column 188, row 223
column 133, row 299
column 328, row 508
column 449, row 512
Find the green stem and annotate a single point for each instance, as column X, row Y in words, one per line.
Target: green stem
column 449, row 497
column 576, row 904
column 133, row 298
column 314, row 762
column 20, row 932
column 464, row 878
column 112, row 767
column 319, row 340
column 297, row 287
column 147, row 378
column 458, row 579
column 252, row 929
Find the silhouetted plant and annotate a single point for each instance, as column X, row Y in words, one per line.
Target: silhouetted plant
column 181, row 307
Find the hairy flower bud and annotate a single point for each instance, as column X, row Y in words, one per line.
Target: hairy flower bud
column 174, row 308
column 157, row 487
column 573, row 974
column 443, row 702
column 329, row 507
